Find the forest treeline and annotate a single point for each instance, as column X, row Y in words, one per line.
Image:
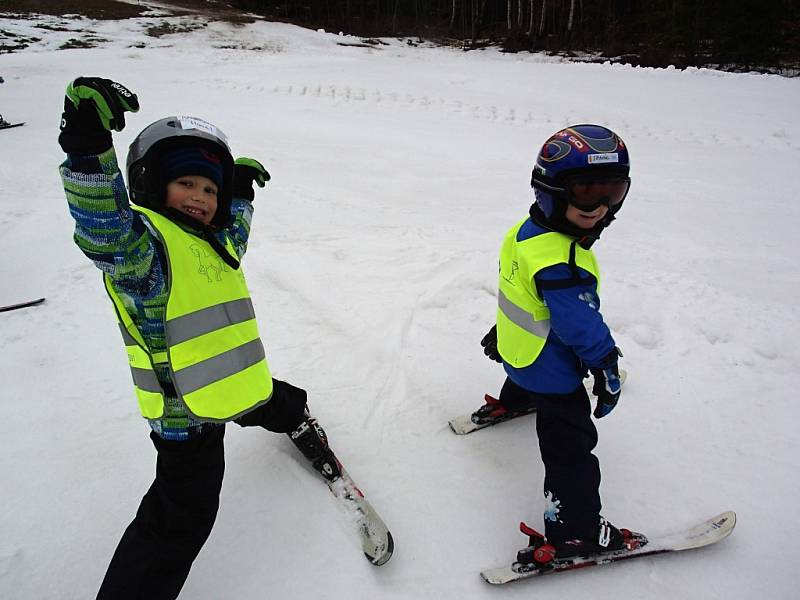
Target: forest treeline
column 733, row 34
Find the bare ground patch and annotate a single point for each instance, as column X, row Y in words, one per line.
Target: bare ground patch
column 113, row 10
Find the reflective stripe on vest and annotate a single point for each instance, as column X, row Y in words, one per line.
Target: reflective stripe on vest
column 214, row 353
column 523, row 319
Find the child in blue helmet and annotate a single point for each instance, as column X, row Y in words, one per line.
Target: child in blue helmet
column 179, row 247
column 550, row 332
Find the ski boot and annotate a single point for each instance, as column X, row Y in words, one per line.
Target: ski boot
column 541, row 553
column 311, row 440
column 494, row 412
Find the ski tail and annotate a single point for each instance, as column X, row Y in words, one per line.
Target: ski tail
column 19, row 305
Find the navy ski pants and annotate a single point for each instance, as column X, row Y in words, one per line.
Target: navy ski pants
column 176, row 515
column 567, row 437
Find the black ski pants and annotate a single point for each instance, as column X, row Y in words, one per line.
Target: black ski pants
column 567, row 437
column 177, row 513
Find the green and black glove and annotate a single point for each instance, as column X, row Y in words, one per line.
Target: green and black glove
column 93, row 108
column 245, row 172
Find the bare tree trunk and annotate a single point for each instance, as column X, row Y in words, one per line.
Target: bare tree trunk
column 478, row 7
column 452, row 16
column 530, row 24
column 508, row 13
column 541, row 22
column 474, row 24
column 520, row 6
column 571, row 17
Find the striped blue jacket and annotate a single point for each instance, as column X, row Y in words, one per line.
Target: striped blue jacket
column 119, row 243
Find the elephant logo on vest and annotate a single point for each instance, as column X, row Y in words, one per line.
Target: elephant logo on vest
column 209, row 263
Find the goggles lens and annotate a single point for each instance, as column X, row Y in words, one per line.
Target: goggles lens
column 588, row 195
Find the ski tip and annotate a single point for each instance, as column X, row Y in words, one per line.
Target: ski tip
column 385, row 556
column 725, row 521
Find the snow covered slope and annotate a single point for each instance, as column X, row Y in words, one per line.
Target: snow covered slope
column 396, row 171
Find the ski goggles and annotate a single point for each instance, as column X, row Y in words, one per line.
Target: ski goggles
column 590, row 194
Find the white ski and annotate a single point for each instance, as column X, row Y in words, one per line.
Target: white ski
column 376, row 540
column 706, row 533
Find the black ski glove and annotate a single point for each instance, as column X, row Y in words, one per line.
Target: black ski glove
column 489, row 343
column 245, row 172
column 607, row 384
column 93, row 107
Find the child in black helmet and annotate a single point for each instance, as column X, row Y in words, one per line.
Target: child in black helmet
column 550, row 332
column 195, row 178
column 171, row 267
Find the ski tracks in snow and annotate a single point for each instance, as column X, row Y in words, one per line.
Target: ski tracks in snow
column 419, row 339
column 394, row 100
column 356, row 96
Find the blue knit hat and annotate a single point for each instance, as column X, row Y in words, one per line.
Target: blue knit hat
column 191, row 161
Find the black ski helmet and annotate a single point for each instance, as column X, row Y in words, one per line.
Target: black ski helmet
column 146, row 184
column 576, row 152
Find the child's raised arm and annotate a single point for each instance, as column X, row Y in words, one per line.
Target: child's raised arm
column 106, row 230
column 246, row 172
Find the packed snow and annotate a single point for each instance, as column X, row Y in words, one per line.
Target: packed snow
column 396, row 171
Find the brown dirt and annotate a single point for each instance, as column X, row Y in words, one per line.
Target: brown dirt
column 113, row 10
column 212, row 10
column 93, row 9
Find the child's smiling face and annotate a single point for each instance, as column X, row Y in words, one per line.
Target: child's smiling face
column 585, row 219
column 193, row 195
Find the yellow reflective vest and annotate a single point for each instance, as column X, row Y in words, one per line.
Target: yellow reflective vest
column 214, row 354
column 523, row 319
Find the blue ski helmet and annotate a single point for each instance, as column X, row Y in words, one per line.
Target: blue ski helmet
column 579, row 151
